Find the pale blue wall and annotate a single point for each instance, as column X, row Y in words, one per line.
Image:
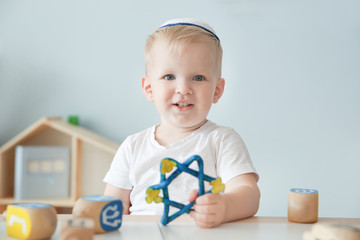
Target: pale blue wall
column 292, row 90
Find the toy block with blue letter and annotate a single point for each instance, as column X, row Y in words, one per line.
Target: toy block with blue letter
column 106, row 211
column 30, row 220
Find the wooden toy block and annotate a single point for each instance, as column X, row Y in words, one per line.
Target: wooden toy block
column 303, row 205
column 30, row 220
column 77, row 228
column 333, row 231
column 104, row 210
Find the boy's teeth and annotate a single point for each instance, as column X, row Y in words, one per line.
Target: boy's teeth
column 182, row 104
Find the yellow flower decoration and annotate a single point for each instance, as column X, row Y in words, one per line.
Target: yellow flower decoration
column 218, row 186
column 167, row 165
column 153, row 195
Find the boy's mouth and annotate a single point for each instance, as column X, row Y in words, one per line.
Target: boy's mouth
column 182, row 105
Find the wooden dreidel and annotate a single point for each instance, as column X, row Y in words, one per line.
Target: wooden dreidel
column 77, row 228
column 104, row 210
column 303, row 205
column 333, row 231
column 30, row 220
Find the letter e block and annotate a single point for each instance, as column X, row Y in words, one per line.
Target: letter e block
column 104, row 210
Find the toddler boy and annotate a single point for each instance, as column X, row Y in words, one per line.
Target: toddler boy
column 183, row 78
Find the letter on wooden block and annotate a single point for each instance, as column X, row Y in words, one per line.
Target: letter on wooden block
column 104, row 210
column 30, row 220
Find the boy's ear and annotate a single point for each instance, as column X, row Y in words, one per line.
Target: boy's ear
column 219, row 90
column 146, row 87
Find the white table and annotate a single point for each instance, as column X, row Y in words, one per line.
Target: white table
column 149, row 227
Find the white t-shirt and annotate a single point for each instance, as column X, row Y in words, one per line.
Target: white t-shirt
column 136, row 165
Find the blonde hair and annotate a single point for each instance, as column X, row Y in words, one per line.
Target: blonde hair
column 177, row 37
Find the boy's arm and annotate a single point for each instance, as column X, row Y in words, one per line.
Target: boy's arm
column 123, row 194
column 240, row 200
column 242, row 197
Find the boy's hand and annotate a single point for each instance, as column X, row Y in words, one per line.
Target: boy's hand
column 209, row 209
column 240, row 200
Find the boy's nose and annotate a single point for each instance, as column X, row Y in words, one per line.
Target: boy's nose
column 183, row 88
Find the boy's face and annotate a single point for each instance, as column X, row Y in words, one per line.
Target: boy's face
column 184, row 84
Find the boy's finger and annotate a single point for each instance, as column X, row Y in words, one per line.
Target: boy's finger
column 203, row 220
column 209, row 198
column 193, row 195
column 205, row 209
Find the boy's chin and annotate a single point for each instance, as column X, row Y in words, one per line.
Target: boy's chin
column 193, row 125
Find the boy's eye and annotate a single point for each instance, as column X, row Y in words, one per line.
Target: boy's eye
column 199, row 78
column 169, row 77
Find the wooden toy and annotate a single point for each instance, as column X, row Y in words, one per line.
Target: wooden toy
column 166, row 166
column 30, row 220
column 303, row 205
column 106, row 211
column 77, row 228
column 333, row 231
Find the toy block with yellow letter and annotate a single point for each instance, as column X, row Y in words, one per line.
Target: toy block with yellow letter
column 30, row 220
column 106, row 211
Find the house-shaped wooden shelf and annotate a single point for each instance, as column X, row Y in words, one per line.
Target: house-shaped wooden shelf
column 91, row 156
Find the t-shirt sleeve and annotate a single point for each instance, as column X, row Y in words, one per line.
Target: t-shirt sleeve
column 233, row 156
column 118, row 174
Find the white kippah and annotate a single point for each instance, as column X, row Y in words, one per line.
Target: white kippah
column 190, row 22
